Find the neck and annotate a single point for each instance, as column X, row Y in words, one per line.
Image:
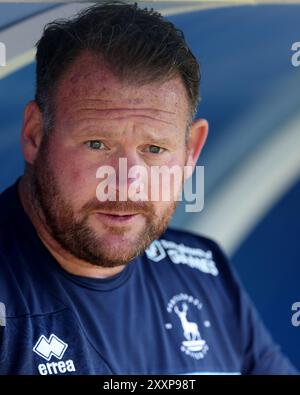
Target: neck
column 66, row 260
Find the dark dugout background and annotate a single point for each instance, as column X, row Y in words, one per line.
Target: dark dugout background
column 250, row 93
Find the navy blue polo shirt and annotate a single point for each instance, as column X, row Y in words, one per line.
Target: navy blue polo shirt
column 176, row 309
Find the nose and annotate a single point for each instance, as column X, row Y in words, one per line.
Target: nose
column 131, row 175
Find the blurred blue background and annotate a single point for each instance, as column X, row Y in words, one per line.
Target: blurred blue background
column 251, row 97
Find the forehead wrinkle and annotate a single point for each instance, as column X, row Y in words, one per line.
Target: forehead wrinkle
column 83, row 128
column 121, row 108
column 120, row 101
column 123, row 118
column 117, row 113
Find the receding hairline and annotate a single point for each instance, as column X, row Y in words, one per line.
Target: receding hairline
column 68, row 77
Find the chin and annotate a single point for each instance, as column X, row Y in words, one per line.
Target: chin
column 111, row 242
column 111, row 259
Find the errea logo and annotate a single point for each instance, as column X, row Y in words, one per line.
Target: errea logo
column 52, row 347
column 46, row 348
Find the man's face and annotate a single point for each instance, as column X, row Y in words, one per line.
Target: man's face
column 97, row 121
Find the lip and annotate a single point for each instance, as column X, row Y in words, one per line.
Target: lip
column 116, row 218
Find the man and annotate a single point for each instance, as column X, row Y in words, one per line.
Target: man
column 101, row 286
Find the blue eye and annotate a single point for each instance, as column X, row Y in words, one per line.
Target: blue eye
column 155, row 149
column 95, row 144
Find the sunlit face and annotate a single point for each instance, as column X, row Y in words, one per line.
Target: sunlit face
column 97, row 121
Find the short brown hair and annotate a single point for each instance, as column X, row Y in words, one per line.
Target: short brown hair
column 139, row 45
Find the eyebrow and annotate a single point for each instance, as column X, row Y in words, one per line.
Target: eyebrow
column 105, row 132
column 88, row 130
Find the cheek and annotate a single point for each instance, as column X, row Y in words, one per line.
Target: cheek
column 166, row 182
column 75, row 176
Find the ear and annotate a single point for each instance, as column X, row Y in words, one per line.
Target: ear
column 196, row 140
column 32, row 131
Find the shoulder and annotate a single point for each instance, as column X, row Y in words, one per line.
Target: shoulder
column 8, row 202
column 191, row 239
column 9, row 214
column 13, row 272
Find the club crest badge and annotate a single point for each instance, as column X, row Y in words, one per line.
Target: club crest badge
column 186, row 310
